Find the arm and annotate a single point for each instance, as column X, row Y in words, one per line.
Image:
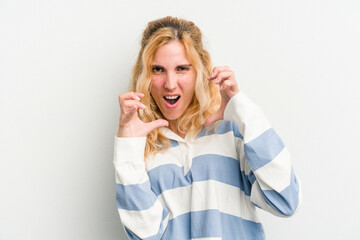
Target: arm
column 141, row 213
column 265, row 159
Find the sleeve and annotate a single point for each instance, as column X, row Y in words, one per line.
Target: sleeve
column 141, row 213
column 264, row 158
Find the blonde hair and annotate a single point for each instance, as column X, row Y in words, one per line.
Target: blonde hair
column 206, row 99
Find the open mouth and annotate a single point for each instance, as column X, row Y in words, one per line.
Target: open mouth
column 172, row 99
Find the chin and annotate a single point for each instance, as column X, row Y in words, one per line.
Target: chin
column 171, row 117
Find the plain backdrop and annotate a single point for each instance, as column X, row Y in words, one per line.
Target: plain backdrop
column 64, row 63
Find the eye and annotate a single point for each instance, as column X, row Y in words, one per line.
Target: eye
column 182, row 68
column 157, row 69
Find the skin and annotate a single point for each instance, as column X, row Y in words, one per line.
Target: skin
column 225, row 77
column 172, row 75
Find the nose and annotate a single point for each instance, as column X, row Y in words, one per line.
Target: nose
column 170, row 81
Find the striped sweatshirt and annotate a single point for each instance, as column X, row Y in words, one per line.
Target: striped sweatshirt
column 210, row 187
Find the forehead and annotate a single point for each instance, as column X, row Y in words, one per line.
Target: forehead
column 171, row 53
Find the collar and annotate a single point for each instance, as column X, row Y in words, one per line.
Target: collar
column 171, row 135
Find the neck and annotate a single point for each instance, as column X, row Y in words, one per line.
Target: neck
column 173, row 127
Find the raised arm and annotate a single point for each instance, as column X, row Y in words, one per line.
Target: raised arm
column 264, row 159
column 141, row 213
column 263, row 156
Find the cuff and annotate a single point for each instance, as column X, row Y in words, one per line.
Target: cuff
column 247, row 115
column 129, row 149
column 239, row 109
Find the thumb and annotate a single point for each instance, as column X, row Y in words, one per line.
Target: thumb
column 156, row 124
column 213, row 118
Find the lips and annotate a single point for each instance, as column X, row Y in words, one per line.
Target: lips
column 172, row 99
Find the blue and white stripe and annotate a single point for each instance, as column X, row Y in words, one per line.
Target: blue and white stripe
column 207, row 188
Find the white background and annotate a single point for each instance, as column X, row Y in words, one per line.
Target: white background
column 63, row 64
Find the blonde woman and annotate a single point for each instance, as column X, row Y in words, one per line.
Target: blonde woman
column 194, row 156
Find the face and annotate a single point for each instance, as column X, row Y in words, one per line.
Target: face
column 173, row 80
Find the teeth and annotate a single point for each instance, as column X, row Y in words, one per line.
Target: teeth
column 171, row 97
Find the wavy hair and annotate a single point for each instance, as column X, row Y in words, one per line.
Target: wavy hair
column 206, row 99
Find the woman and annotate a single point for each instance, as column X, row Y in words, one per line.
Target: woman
column 194, row 156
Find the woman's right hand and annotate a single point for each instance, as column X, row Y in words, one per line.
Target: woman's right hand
column 130, row 125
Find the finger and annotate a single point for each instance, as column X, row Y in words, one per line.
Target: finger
column 217, row 70
column 125, row 118
column 129, row 104
column 226, row 84
column 156, row 124
column 131, row 95
column 222, row 76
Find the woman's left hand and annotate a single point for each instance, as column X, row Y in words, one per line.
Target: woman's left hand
column 228, row 88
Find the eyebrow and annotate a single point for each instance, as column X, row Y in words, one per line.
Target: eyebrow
column 180, row 65
column 185, row 65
